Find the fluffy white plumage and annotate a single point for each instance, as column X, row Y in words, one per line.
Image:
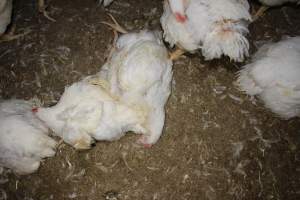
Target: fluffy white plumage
column 140, row 72
column 216, row 27
column 23, row 137
column 274, row 75
column 5, row 14
column 277, row 2
column 87, row 110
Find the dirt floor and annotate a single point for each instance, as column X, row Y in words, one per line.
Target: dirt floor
column 217, row 144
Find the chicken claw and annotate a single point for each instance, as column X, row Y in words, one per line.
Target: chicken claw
column 176, row 54
column 82, row 144
column 9, row 36
column 116, row 28
column 42, row 9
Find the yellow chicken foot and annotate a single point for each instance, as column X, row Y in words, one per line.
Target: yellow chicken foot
column 261, row 11
column 82, row 144
column 176, row 54
column 42, row 9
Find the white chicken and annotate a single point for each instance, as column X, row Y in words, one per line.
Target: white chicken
column 128, row 94
column 87, row 110
column 274, row 75
column 23, row 137
column 140, row 72
column 217, row 27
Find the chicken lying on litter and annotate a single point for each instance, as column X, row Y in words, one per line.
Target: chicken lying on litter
column 23, row 137
column 217, row 27
column 128, row 94
column 140, row 73
column 271, row 3
column 87, row 110
column 273, row 75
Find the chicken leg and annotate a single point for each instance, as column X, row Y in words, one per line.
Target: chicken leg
column 261, row 11
column 116, row 26
column 42, row 9
column 9, row 36
column 176, row 54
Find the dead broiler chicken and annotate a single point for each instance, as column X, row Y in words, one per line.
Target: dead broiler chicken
column 129, row 94
column 139, row 71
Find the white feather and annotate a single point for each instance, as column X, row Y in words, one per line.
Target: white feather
column 274, row 75
column 23, row 137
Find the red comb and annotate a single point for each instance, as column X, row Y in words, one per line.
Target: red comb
column 180, row 18
column 34, row 110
